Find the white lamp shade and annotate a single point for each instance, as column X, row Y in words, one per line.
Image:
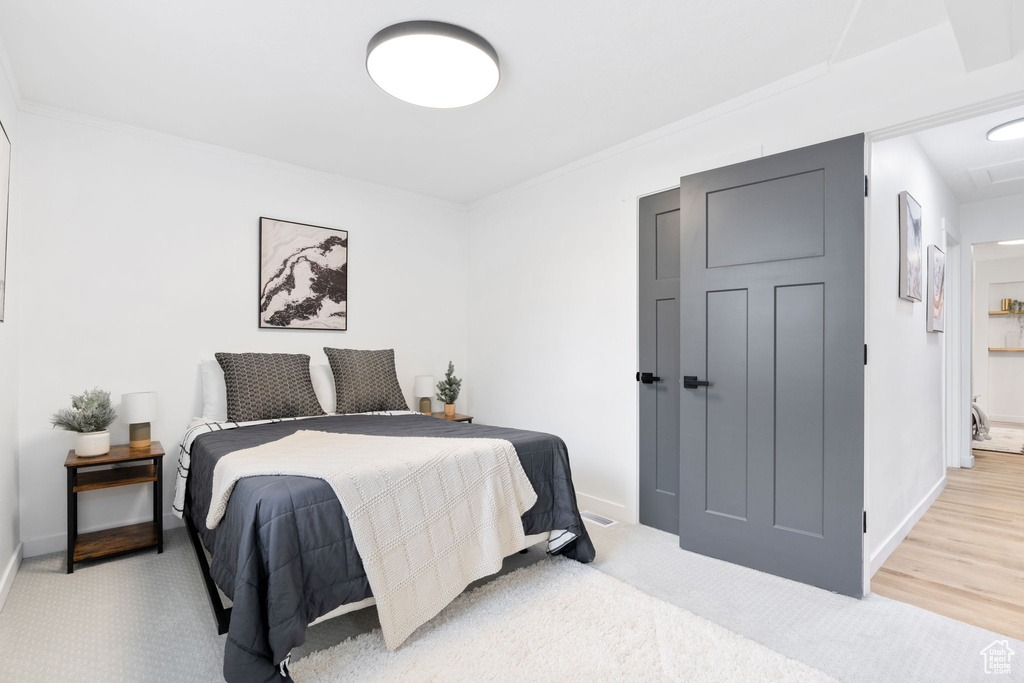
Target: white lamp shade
column 139, row 406
column 424, row 386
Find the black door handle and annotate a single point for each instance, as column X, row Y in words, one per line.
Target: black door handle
column 647, row 378
column 691, row 382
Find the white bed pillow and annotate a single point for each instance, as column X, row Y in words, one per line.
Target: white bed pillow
column 323, row 386
column 215, row 390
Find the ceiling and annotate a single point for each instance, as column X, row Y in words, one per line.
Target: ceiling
column 992, row 251
column 973, row 168
column 286, row 80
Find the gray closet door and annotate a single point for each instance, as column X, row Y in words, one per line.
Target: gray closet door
column 659, row 357
column 772, row 316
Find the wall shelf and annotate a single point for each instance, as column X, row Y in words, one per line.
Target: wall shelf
column 999, row 313
column 995, row 349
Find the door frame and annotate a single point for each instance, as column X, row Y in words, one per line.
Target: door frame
column 959, row 301
column 956, row 424
column 967, row 313
column 634, row 508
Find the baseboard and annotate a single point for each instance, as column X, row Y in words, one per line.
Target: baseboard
column 901, row 532
column 9, row 573
column 1019, row 419
column 59, row 542
column 607, row 508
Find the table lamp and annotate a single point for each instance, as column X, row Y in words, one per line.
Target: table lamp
column 138, row 409
column 425, row 389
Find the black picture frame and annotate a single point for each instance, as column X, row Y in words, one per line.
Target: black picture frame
column 303, row 276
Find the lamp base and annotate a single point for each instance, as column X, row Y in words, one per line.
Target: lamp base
column 138, row 435
column 425, row 405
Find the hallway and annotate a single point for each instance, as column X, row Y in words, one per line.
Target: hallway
column 965, row 558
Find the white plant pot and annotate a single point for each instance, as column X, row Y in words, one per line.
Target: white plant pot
column 91, row 444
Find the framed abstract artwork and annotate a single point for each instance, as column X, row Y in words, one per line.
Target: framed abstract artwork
column 911, row 258
column 303, row 276
column 5, row 197
column 936, row 289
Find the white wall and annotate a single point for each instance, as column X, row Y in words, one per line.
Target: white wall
column 9, row 362
column 142, row 259
column 904, row 378
column 115, row 292
column 553, row 282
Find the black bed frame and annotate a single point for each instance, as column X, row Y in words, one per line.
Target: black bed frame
column 221, row 613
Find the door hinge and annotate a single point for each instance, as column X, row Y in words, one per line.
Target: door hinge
column 865, row 354
column 865, row 521
column 865, row 186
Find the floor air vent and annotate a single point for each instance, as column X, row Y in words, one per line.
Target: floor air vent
column 596, row 518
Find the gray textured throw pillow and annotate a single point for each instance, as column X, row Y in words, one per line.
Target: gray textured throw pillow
column 365, row 380
column 263, row 386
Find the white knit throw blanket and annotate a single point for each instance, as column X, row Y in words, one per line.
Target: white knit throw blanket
column 428, row 515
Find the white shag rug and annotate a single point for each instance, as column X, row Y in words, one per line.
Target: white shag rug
column 1004, row 440
column 557, row 620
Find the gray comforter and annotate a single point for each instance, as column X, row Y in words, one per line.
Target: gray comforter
column 284, row 552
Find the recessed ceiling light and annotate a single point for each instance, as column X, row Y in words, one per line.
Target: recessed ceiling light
column 1012, row 130
column 1012, row 242
column 432, row 64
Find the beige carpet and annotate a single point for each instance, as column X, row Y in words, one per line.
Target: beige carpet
column 557, row 620
column 1004, row 440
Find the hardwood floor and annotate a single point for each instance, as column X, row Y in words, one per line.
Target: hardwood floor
column 965, row 558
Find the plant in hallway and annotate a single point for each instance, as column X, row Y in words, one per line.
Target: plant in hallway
column 89, row 415
column 448, row 390
column 1016, row 311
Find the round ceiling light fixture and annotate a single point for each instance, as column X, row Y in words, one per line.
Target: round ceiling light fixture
column 432, row 64
column 1011, row 130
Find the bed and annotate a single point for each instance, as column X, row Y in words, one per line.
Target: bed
column 284, row 552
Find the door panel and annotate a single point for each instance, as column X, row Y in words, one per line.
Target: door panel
column 659, row 355
column 726, row 469
column 667, row 398
column 789, row 213
column 799, row 395
column 772, row 315
column 667, row 254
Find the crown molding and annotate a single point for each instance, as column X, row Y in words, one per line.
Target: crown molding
column 745, row 100
column 969, row 111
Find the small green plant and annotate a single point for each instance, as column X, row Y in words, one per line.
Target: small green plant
column 90, row 411
column 448, row 388
column 1017, row 313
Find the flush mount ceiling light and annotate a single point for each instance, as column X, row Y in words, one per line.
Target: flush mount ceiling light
column 1012, row 130
column 432, row 64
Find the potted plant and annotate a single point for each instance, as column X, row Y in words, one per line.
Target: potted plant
column 89, row 415
column 448, row 390
column 1016, row 310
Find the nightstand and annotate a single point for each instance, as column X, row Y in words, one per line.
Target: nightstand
column 454, row 418
column 119, row 539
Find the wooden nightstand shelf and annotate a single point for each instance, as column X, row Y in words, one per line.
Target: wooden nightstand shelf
column 454, row 418
column 119, row 539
